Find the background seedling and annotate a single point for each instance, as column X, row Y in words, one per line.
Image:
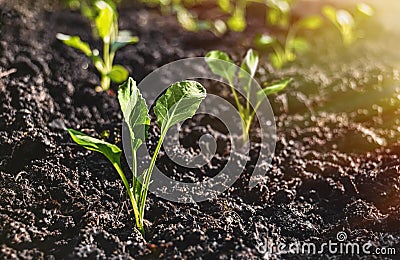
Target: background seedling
column 221, row 64
column 88, row 8
column 286, row 50
column 179, row 103
column 348, row 23
column 106, row 23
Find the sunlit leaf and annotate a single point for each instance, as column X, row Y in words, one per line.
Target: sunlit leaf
column 118, row 74
column 344, row 18
column 105, row 20
column 330, row 13
column 276, row 60
column 135, row 112
column 179, row 103
column 237, row 22
column 221, row 65
column 273, row 88
column 75, row 42
column 250, row 63
column 263, row 40
column 365, row 9
column 186, row 19
column 225, row 5
column 310, row 22
column 111, row 151
column 299, row 44
column 124, row 38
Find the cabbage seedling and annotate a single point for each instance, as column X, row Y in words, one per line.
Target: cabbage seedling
column 346, row 23
column 179, row 103
column 107, row 29
column 248, row 70
column 287, row 50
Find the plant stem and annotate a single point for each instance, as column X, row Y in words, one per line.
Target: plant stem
column 139, row 221
column 146, row 182
column 134, row 173
column 105, row 80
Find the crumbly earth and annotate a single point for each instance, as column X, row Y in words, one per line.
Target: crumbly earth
column 336, row 166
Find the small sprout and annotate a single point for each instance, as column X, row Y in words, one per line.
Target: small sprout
column 106, row 23
column 278, row 12
column 237, row 22
column 347, row 23
column 221, row 64
column 180, row 102
column 287, row 51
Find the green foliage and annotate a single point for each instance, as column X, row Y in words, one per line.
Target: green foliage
column 87, row 7
column 346, row 22
column 286, row 50
column 179, row 103
column 112, row 152
column 232, row 17
column 278, row 12
column 221, row 64
column 106, row 24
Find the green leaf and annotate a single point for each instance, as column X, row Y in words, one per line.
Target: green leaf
column 330, row 13
column 124, row 38
column 186, row 19
column 135, row 112
column 365, row 9
column 277, row 60
column 237, row 22
column 311, row 23
column 179, row 103
column 344, row 18
column 273, row 88
column 111, row 151
column 221, row 65
column 250, row 63
column 299, row 44
column 263, row 40
column 225, row 5
column 118, row 74
column 105, row 21
column 219, row 27
column 75, row 42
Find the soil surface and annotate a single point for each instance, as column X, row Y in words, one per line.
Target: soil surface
column 336, row 166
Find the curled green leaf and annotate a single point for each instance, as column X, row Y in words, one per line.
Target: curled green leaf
column 250, row 63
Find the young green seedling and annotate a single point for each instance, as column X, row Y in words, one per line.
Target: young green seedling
column 287, row 50
column 249, row 65
column 278, row 12
column 107, row 29
column 179, row 103
column 346, row 23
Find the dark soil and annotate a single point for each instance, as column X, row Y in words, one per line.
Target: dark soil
column 336, row 166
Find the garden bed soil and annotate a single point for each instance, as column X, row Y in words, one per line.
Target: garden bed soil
column 336, row 165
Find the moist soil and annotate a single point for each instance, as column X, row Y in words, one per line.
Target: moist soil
column 336, row 164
